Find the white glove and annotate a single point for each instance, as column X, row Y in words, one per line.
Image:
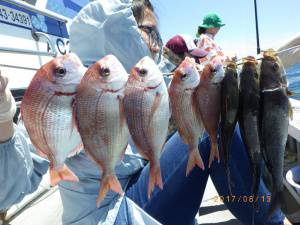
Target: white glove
column 7, row 101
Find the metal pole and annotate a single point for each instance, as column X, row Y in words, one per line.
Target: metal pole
column 256, row 24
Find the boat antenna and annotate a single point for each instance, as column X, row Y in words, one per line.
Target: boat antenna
column 256, row 25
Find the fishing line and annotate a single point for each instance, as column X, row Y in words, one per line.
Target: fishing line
column 288, row 49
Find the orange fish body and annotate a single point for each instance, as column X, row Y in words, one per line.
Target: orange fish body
column 101, row 120
column 48, row 114
column 184, row 112
column 147, row 112
column 208, row 98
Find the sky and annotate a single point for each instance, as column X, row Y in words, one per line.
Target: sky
column 278, row 21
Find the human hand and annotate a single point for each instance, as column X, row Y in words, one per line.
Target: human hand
column 7, row 102
column 3, row 84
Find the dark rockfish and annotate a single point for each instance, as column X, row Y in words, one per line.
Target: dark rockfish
column 229, row 112
column 274, row 122
column 249, row 108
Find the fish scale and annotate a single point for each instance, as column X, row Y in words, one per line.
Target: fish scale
column 47, row 115
column 208, row 100
column 52, row 126
column 183, row 104
column 229, row 114
column 140, row 99
column 249, row 116
column 101, row 120
column 275, row 110
column 146, row 105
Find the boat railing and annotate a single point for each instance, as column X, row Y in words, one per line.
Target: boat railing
column 36, row 36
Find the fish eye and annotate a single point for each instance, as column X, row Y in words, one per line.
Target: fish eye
column 275, row 66
column 105, row 72
column 60, row 71
column 184, row 76
column 143, row 72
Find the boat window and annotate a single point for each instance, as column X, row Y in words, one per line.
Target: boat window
column 31, row 2
column 67, row 8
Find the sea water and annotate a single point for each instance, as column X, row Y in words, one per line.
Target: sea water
column 293, row 76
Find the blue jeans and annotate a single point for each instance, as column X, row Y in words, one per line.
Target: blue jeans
column 179, row 201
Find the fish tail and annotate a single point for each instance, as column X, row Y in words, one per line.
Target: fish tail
column 154, row 179
column 277, row 198
column 194, row 159
column 214, row 153
column 108, row 182
column 64, row 173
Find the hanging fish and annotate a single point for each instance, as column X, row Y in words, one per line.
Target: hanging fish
column 147, row 112
column 184, row 111
column 229, row 113
column 208, row 100
column 275, row 111
column 249, row 115
column 47, row 112
column 101, row 119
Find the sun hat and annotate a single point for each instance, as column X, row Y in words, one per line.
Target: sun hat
column 181, row 44
column 211, row 20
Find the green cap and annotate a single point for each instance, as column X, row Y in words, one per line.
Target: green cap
column 212, row 20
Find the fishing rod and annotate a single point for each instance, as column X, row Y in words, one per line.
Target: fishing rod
column 256, row 26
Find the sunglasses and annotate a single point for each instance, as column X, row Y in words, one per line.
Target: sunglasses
column 153, row 34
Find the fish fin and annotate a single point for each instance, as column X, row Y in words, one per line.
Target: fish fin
column 74, row 117
column 154, row 179
column 123, row 153
column 265, row 158
column 194, row 159
column 63, row 173
column 108, row 182
column 214, row 153
column 290, row 110
column 141, row 152
column 276, row 200
column 182, row 135
column 290, row 93
column 196, row 107
column 76, row 151
column 155, row 105
column 42, row 154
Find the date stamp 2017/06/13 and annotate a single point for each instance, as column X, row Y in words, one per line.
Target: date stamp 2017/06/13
column 243, row 198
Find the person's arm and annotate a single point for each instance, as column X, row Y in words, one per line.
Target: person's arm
column 20, row 170
column 7, row 110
